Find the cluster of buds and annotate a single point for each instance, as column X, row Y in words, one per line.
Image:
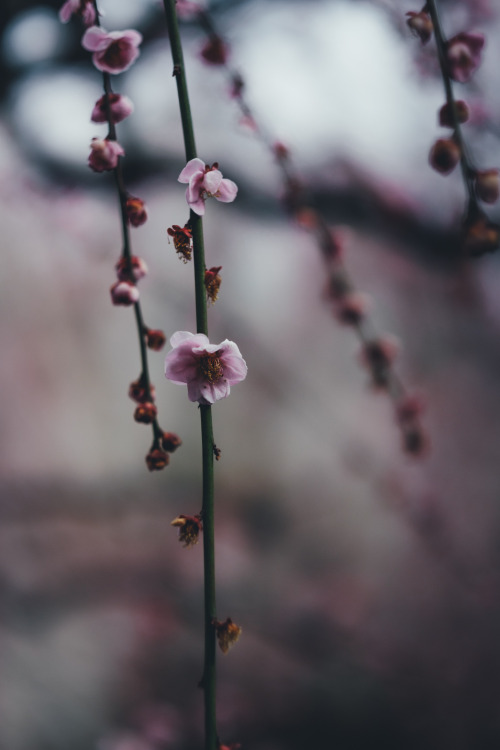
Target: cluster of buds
column 129, row 270
column 459, row 57
column 144, row 394
column 163, row 445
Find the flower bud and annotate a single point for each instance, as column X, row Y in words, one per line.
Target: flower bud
column 155, row 339
column 446, row 116
column 112, row 107
column 215, row 51
column 157, row 459
column 463, row 54
column 124, row 293
column 444, row 155
column 352, row 308
column 139, row 392
column 145, row 413
column 488, row 185
column 420, row 24
column 131, row 269
column 377, row 356
column 104, row 154
column 480, row 235
column 135, row 209
column 170, row 441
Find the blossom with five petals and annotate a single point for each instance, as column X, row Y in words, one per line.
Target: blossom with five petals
column 206, row 182
column 115, row 51
column 208, row 370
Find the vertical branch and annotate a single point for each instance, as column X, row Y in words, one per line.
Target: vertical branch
column 196, row 224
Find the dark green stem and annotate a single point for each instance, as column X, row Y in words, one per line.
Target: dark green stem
column 465, row 162
column 196, row 224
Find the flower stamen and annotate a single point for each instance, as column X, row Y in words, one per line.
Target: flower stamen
column 210, row 367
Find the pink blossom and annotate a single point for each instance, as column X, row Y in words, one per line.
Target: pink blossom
column 124, row 293
column 464, row 55
column 115, row 51
column 189, row 8
column 83, row 8
column 104, row 154
column 120, row 107
column 208, row 369
column 206, row 182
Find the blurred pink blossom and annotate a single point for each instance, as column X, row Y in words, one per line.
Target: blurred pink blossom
column 104, row 154
column 189, row 8
column 208, row 369
column 206, row 182
column 115, row 51
column 83, row 8
column 120, row 107
column 464, row 55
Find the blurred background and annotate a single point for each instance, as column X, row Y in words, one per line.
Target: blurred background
column 367, row 583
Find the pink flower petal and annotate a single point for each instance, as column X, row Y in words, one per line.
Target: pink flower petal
column 212, row 180
column 195, row 187
column 95, row 39
column 198, row 205
column 227, row 191
column 191, row 168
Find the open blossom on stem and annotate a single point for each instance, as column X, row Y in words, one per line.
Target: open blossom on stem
column 183, row 240
column 208, row 370
column 212, row 282
column 115, row 51
column 82, row 8
column 463, row 53
column 206, row 182
column 119, row 107
column 104, row 154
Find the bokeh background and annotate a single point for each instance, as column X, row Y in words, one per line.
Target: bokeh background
column 367, row 583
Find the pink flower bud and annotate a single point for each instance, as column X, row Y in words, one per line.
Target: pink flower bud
column 461, row 112
column 114, row 52
column 444, row 155
column 82, row 8
column 131, row 269
column 104, row 154
column 120, row 107
column 124, row 293
column 215, row 51
column 136, row 211
column 463, row 54
column 170, row 441
column 488, row 185
column 155, row 339
column 420, row 25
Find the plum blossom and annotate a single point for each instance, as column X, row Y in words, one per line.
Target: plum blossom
column 120, row 107
column 188, row 9
column 83, row 8
column 463, row 52
column 115, row 51
column 206, row 182
column 208, row 370
column 104, row 154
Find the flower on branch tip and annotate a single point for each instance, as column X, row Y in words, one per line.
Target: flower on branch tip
column 124, row 293
column 208, row 370
column 131, row 269
column 206, row 182
column 115, row 51
column 138, row 391
column 487, row 185
column 463, row 54
column 104, row 154
column 83, row 8
column 215, row 51
column 183, row 240
column 213, row 282
column 227, row 633
column 155, row 339
column 444, row 155
column 136, row 211
column 189, row 529
column 170, row 441
column 146, row 413
column 446, row 116
column 157, row 459
column 119, row 107
column 420, row 24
